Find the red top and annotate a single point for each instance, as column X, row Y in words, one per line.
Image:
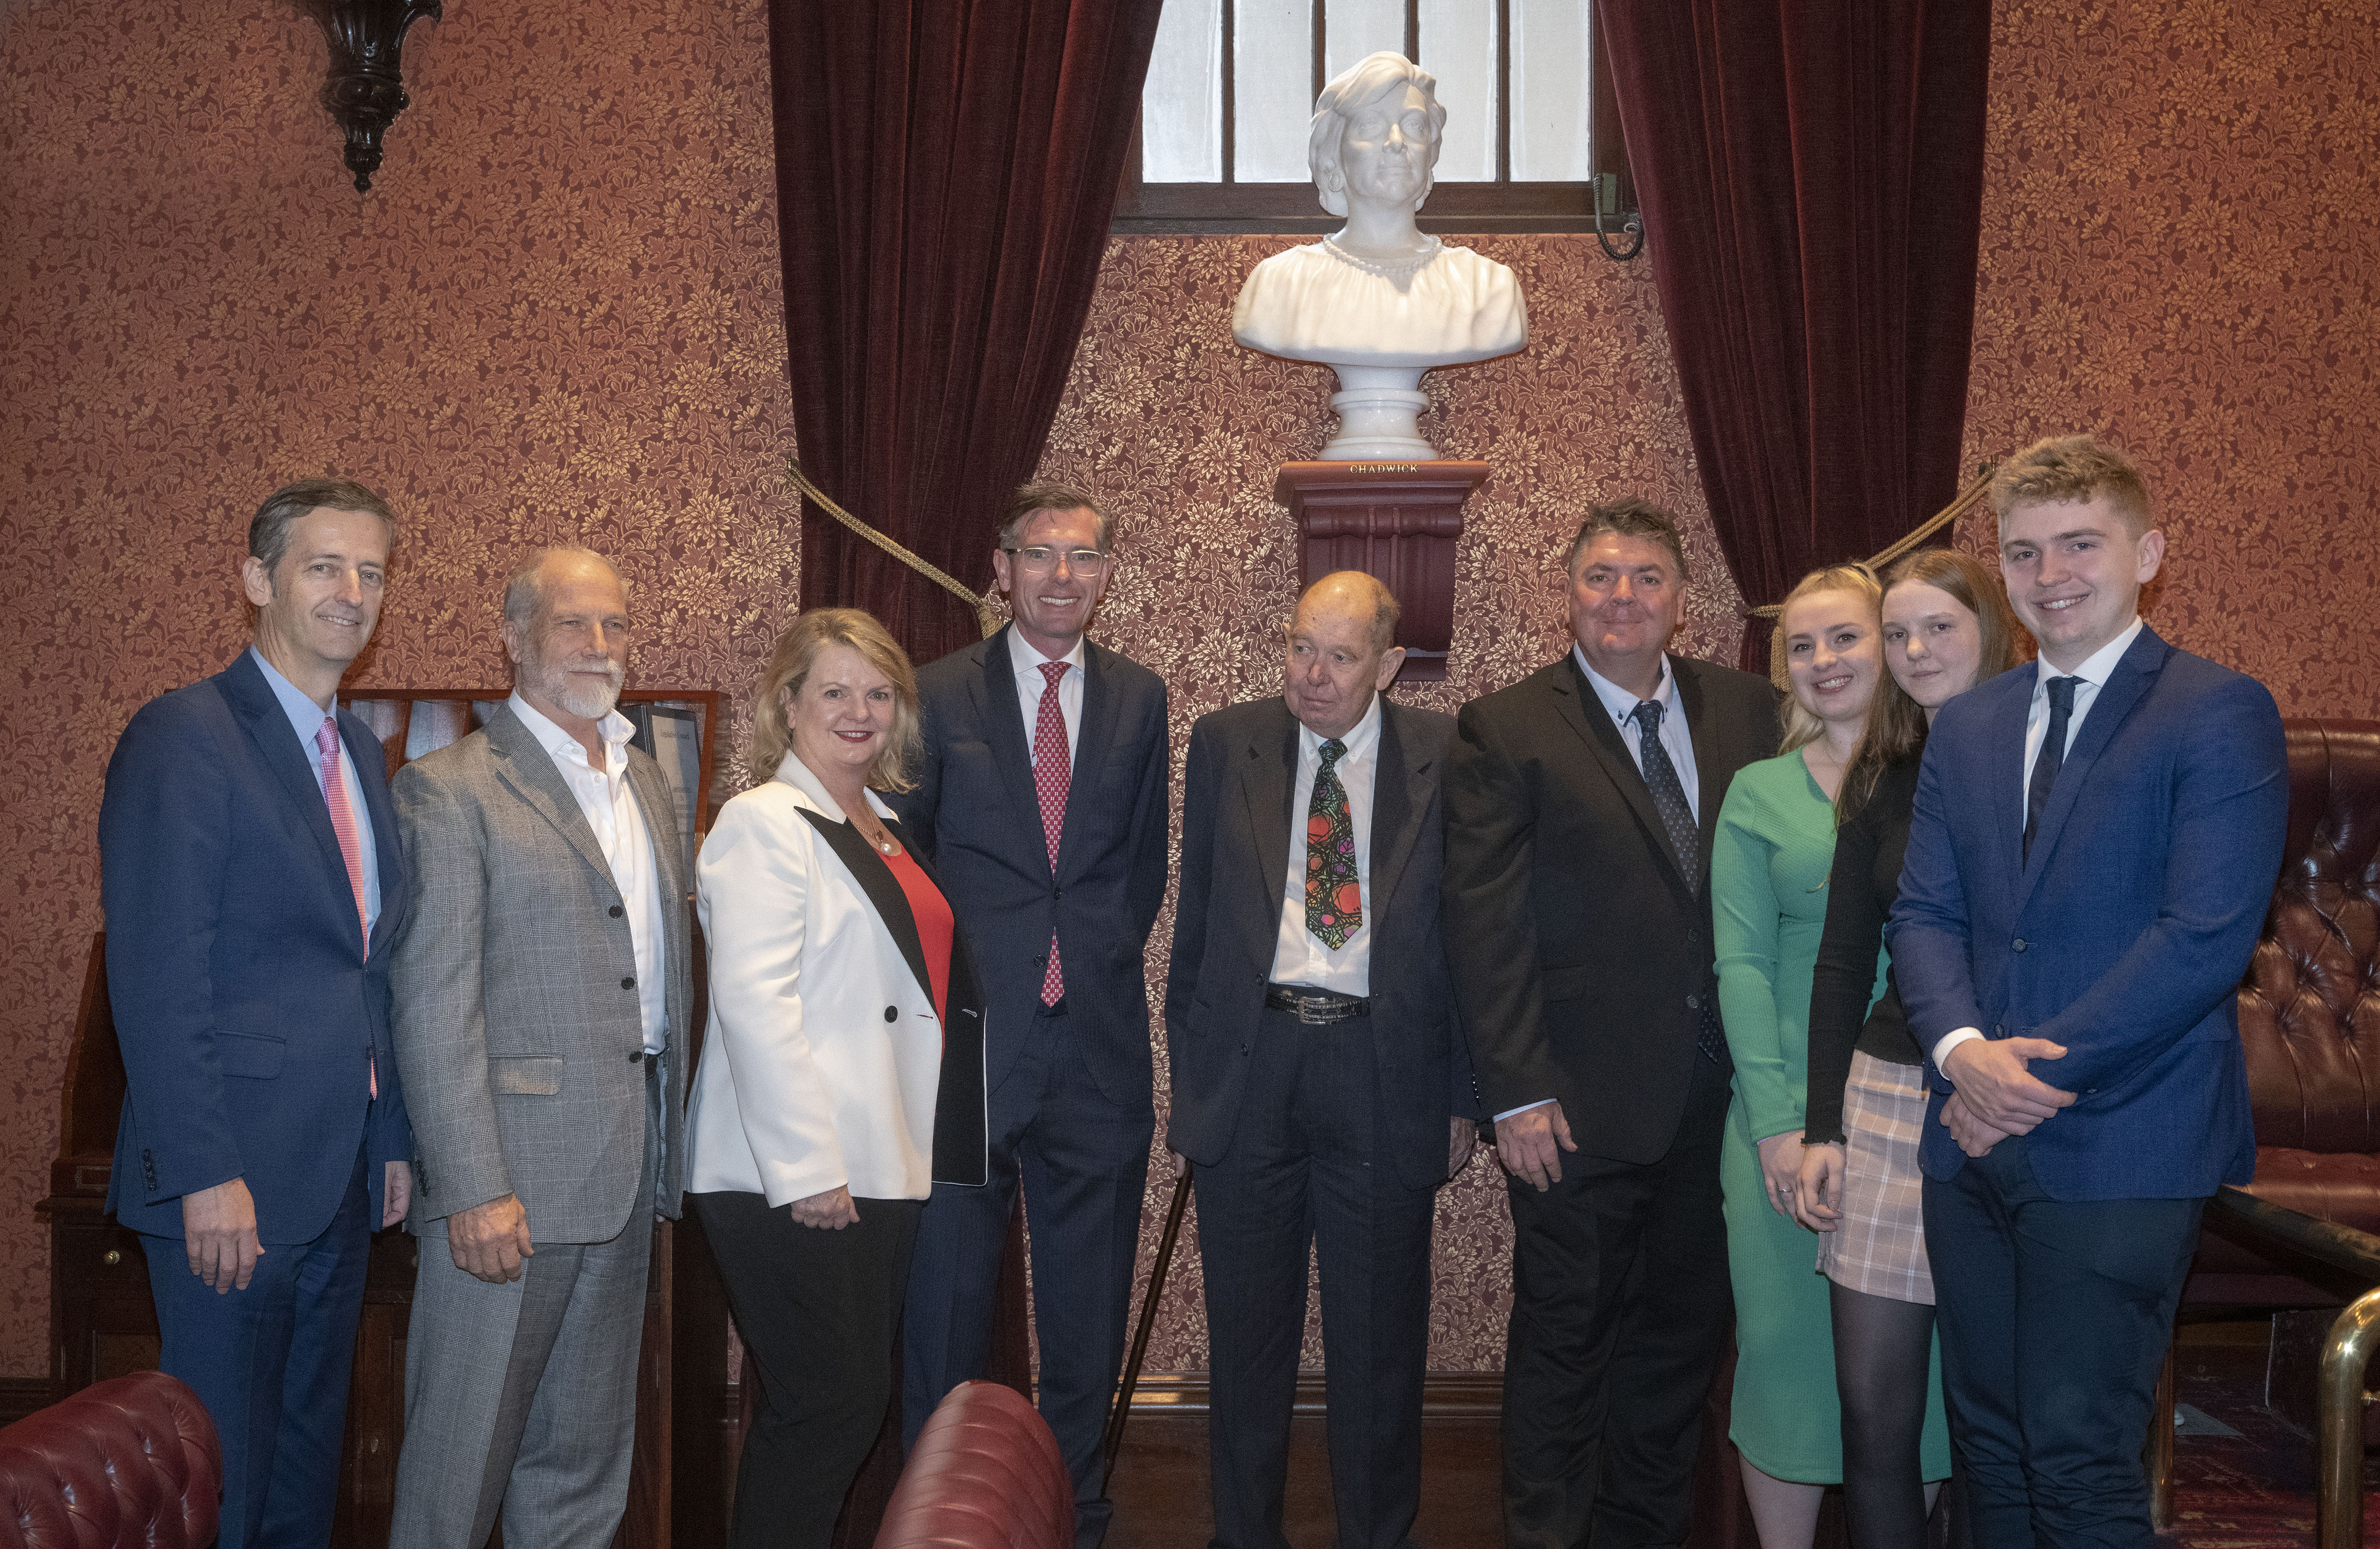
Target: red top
column 933, row 913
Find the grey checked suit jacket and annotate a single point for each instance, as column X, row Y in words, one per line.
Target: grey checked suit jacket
column 517, row 1019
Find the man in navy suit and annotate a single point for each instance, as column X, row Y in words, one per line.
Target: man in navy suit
column 252, row 881
column 2094, row 848
column 1042, row 805
column 1320, row 1081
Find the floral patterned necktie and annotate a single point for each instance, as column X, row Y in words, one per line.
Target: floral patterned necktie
column 1335, row 901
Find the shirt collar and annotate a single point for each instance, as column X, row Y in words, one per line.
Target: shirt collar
column 1024, row 657
column 1618, row 701
column 305, row 715
column 613, row 729
column 2096, row 667
column 1359, row 741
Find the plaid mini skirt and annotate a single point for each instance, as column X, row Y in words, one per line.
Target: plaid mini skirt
column 1879, row 1248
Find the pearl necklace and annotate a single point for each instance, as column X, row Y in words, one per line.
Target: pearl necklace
column 1386, row 270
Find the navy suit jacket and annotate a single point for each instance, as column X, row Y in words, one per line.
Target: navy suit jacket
column 2125, row 938
column 1237, row 830
column 245, row 1004
column 974, row 814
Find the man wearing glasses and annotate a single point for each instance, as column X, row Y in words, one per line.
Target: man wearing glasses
column 1041, row 806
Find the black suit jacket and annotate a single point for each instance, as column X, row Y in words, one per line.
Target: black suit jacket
column 1580, row 960
column 975, row 816
column 1236, row 829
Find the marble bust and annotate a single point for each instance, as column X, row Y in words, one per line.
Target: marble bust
column 1377, row 300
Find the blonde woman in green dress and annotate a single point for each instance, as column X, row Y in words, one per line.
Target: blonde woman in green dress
column 1775, row 845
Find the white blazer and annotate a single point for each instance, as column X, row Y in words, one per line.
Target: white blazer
column 822, row 1057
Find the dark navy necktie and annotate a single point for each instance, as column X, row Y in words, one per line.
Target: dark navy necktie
column 2049, row 760
column 1685, row 841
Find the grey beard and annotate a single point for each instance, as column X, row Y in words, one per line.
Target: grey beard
column 593, row 703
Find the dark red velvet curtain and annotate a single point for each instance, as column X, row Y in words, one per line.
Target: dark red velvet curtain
column 1811, row 173
column 945, row 174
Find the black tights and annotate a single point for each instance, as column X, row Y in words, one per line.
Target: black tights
column 1882, row 1350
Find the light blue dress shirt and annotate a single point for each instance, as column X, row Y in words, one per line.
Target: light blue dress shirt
column 305, row 718
column 1677, row 737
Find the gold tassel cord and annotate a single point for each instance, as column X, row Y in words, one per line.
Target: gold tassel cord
column 1968, row 498
column 989, row 615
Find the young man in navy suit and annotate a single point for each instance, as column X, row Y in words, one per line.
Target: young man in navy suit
column 2094, row 848
column 252, row 881
column 1041, row 806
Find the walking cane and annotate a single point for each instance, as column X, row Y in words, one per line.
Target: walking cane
column 1114, row 1441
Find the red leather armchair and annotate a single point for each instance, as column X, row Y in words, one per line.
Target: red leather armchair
column 132, row 1461
column 986, row 1473
column 2310, row 1016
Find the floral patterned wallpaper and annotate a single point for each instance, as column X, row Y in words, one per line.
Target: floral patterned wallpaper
column 557, row 315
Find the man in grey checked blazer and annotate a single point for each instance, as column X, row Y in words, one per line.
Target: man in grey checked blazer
column 541, row 996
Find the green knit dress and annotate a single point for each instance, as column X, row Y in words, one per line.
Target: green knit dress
column 1775, row 844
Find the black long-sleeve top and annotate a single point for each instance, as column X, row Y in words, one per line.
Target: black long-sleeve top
column 1860, row 890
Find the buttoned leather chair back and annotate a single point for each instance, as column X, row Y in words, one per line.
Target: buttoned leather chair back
column 2309, row 1012
column 986, row 1473
column 132, row 1460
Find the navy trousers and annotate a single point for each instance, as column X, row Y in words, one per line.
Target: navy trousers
column 1083, row 1159
column 2055, row 1317
column 271, row 1363
column 1305, row 1168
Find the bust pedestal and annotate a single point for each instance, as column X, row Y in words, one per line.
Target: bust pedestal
column 1397, row 521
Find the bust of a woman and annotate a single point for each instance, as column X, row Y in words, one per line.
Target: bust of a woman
column 1378, row 300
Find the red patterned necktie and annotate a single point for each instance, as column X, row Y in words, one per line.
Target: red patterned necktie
column 1052, row 772
column 343, row 823
column 1334, row 894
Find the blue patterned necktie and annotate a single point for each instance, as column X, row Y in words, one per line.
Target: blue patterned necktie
column 1685, row 841
column 2048, row 761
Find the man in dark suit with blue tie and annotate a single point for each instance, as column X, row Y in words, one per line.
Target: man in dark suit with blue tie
column 1320, row 1078
column 252, row 881
column 1042, row 805
column 2094, row 848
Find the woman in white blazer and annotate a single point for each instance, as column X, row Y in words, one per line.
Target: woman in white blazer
column 842, row 1068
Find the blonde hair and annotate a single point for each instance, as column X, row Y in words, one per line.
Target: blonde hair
column 1801, row 726
column 1896, row 723
column 789, row 667
column 2062, row 469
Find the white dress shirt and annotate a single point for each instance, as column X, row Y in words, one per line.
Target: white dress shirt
column 1677, row 740
column 1677, row 737
column 611, row 809
column 305, row 718
column 1299, row 957
column 2095, row 672
column 1030, row 684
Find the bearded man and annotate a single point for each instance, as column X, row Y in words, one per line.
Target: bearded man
column 541, row 1014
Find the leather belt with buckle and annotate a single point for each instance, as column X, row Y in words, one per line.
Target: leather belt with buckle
column 1316, row 1006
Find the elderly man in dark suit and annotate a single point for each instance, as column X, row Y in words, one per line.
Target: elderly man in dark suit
column 1320, row 1083
column 249, row 867
column 1042, row 805
column 1581, row 804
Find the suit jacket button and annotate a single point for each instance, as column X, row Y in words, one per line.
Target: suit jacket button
column 1694, row 1002
column 2017, row 945
column 892, row 1015
column 617, row 911
column 628, row 981
column 1999, row 1030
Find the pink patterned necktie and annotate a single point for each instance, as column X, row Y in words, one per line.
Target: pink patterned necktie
column 1052, row 772
column 343, row 823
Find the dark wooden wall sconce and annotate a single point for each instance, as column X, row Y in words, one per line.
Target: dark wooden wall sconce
column 366, row 90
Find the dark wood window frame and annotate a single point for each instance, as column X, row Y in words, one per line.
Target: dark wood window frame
column 1292, row 208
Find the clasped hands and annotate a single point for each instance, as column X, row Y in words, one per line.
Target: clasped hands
column 1995, row 1094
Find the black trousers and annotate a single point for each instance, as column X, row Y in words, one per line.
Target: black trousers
column 1305, row 1168
column 1619, row 1299
column 818, row 1310
column 2055, row 1318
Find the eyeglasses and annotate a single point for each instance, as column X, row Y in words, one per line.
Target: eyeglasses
column 1040, row 556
